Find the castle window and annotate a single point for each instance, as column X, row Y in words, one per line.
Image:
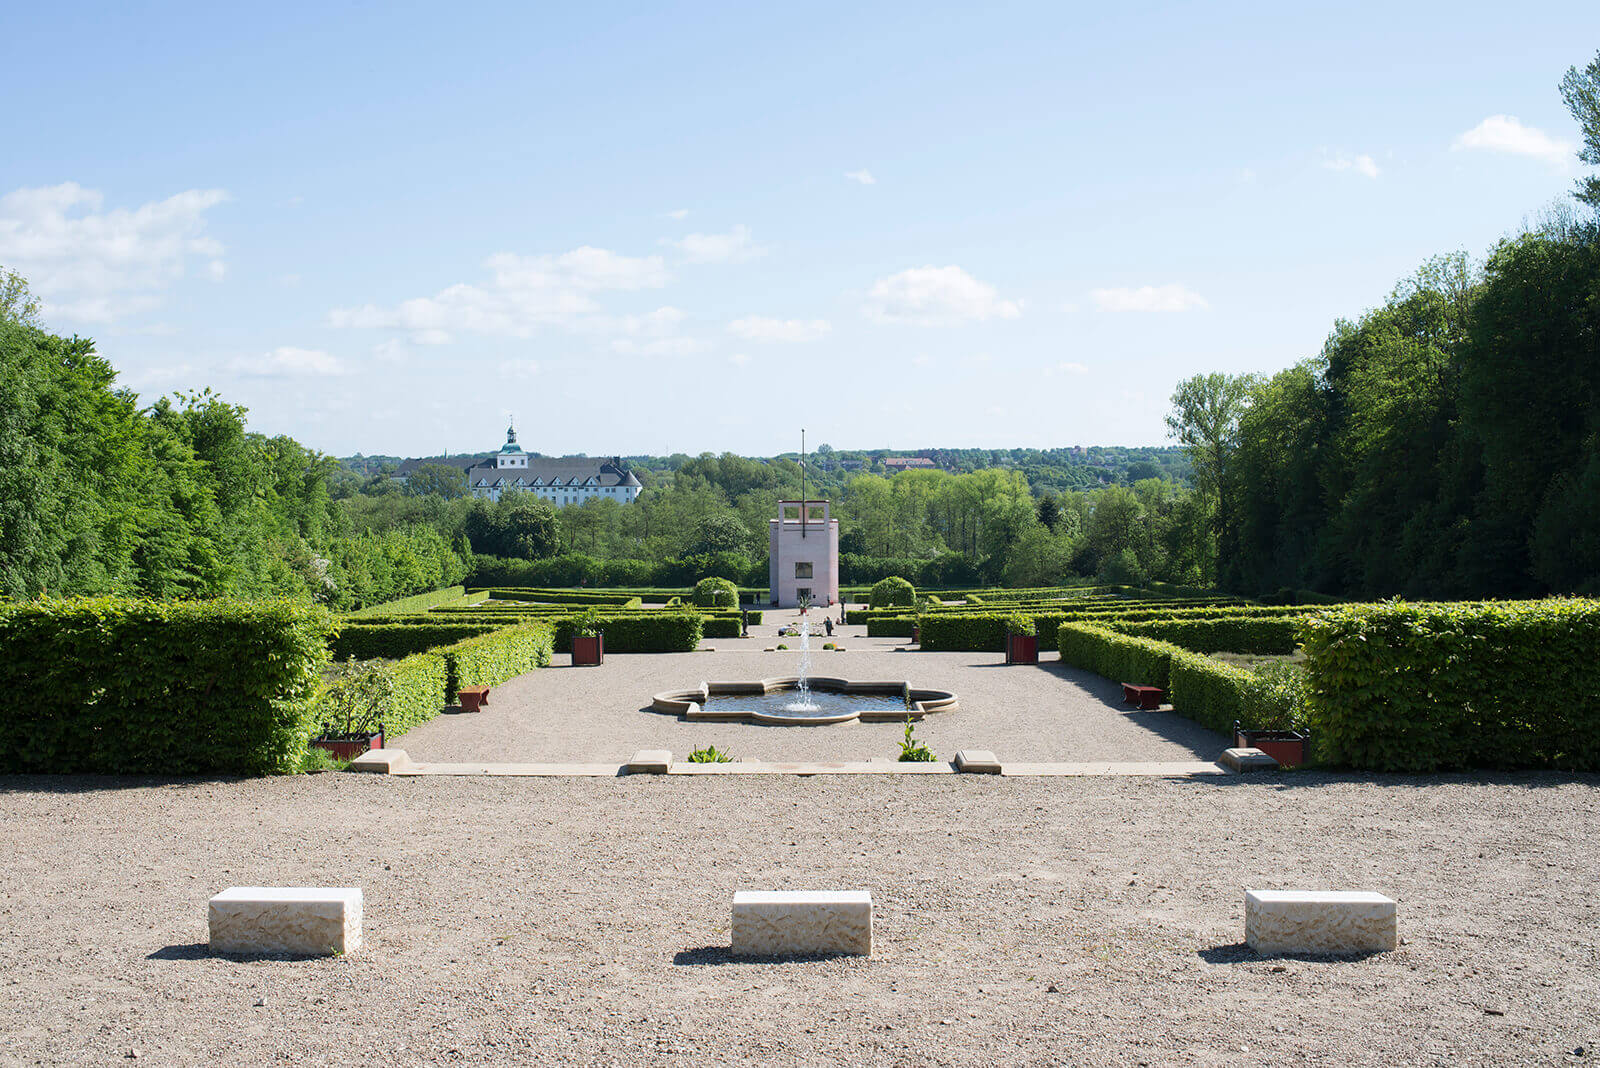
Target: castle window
column 802, row 570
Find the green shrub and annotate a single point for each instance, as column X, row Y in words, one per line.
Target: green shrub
column 167, row 688
column 1264, row 635
column 391, row 641
column 1420, row 687
column 891, row 626
column 1211, row 693
column 982, row 632
column 494, row 658
column 715, row 593
column 913, row 751
column 353, row 698
column 1021, row 625
column 657, row 632
column 709, row 755
column 421, row 690
column 891, row 592
column 720, row 627
column 1118, row 657
column 547, row 596
column 420, row 602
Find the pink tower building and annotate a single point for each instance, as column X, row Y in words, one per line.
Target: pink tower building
column 803, row 558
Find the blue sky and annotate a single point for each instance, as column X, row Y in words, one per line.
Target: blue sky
column 643, row 228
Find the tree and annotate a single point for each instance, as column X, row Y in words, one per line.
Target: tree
column 1581, row 91
column 440, row 480
column 1206, row 411
column 17, row 305
column 1049, row 511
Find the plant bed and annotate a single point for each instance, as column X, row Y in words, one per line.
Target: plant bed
column 588, row 650
column 1289, row 748
column 349, row 746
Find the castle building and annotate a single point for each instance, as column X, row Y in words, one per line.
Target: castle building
column 569, row 480
column 803, row 554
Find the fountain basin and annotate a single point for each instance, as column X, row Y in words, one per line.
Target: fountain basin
column 877, row 702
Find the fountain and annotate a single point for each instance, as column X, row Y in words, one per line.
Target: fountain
column 803, row 703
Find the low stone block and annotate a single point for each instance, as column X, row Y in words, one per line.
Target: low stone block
column 313, row 920
column 1319, row 921
column 650, row 762
column 382, row 761
column 1243, row 760
column 777, row 923
column 978, row 762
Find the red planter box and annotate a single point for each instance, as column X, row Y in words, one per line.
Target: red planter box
column 472, row 698
column 1289, row 748
column 588, row 652
column 1022, row 648
column 348, row 748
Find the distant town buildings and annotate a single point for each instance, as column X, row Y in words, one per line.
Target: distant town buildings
column 896, row 464
column 569, row 480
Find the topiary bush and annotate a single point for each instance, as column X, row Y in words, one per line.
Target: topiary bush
column 657, row 632
column 715, row 593
column 118, row 685
column 892, row 592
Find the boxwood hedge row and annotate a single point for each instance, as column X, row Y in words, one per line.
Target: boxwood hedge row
column 391, row 641
column 170, row 688
column 1421, row 687
column 1264, row 635
column 658, row 632
column 420, row 602
column 490, row 659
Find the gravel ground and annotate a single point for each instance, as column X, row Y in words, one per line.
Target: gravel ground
column 585, row 921
column 1026, row 714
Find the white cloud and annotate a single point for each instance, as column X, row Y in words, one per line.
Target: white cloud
column 863, row 176
column 731, row 247
column 99, row 266
column 659, row 323
column 391, row 351
column 936, row 296
column 738, row 359
column 519, row 368
column 522, row 294
column 216, row 270
column 1364, row 165
column 1069, row 368
column 289, row 362
column 1505, row 133
column 665, row 346
column 1169, row 298
column 680, row 213
column 756, row 328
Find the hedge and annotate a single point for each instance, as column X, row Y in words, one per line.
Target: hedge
column 659, row 632
column 1421, row 687
column 1120, row 657
column 543, row 596
column 1273, row 636
column 420, row 602
column 421, row 689
column 893, row 591
column 891, row 626
column 118, row 685
column 391, row 641
column 716, row 593
column 490, row 659
column 981, row 633
column 720, row 627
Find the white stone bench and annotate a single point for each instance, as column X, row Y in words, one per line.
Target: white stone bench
column 649, row 762
column 775, row 923
column 314, row 920
column 1319, row 921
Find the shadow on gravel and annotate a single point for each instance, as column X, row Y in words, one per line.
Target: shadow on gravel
column 1241, row 953
column 202, row 951
column 708, row 955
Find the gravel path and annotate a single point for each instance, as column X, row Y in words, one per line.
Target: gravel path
column 1025, row 714
column 1091, row 921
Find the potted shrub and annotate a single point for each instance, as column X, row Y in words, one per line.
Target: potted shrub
column 1274, row 702
column 350, row 705
column 1022, row 640
column 588, row 641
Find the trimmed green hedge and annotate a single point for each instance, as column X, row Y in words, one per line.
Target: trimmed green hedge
column 1119, row 657
column 893, row 591
column 1420, row 687
column 982, row 633
column 1211, row 693
column 167, row 688
column 658, row 632
column 490, row 659
column 720, row 627
column 541, row 596
column 421, row 689
column 1269, row 635
column 391, row 641
column 715, row 593
column 420, row 602
column 891, row 626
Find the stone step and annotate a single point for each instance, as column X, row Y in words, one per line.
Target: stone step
column 310, row 920
column 777, row 923
column 1319, row 921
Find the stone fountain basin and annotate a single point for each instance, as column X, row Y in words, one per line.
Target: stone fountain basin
column 691, row 704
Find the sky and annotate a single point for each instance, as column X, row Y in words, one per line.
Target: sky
column 388, row 229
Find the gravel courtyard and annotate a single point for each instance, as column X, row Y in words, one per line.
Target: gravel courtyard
column 584, row 921
column 1044, row 713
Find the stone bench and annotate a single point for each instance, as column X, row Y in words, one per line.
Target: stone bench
column 1319, row 921
column 313, row 920
column 472, row 698
column 776, row 923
